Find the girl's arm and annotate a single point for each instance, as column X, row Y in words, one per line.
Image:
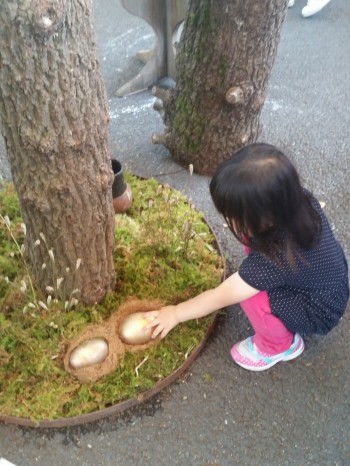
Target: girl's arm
column 232, row 291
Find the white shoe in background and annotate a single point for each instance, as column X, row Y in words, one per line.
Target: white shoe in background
column 313, row 6
column 4, row 462
column 290, row 3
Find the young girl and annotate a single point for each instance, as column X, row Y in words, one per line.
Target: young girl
column 294, row 279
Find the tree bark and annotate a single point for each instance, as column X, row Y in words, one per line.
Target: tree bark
column 222, row 70
column 54, row 116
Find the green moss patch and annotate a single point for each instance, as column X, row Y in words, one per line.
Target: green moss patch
column 164, row 251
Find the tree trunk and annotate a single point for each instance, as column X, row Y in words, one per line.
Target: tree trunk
column 54, row 116
column 222, row 70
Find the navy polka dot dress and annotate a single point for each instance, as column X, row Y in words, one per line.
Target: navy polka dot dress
column 312, row 297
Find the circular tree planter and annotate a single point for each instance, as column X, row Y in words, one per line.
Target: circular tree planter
column 131, row 402
column 117, row 408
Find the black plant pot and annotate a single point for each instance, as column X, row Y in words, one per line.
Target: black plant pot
column 121, row 191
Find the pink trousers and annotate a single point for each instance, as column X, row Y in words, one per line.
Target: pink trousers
column 271, row 335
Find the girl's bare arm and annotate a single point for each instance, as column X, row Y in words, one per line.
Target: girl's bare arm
column 232, row 291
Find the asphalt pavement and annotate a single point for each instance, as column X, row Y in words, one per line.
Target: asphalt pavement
column 218, row 414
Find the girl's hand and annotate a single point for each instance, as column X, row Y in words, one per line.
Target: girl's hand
column 162, row 321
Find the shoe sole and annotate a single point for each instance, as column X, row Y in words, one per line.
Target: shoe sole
column 307, row 13
column 264, row 368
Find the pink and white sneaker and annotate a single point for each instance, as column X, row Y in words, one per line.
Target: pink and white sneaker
column 247, row 355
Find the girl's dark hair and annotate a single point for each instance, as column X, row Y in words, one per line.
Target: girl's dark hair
column 258, row 192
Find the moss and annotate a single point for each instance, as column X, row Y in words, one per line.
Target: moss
column 223, row 67
column 202, row 19
column 189, row 124
column 183, row 109
column 163, row 251
column 9, row 202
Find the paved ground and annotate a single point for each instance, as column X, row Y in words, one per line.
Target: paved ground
column 218, row 414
